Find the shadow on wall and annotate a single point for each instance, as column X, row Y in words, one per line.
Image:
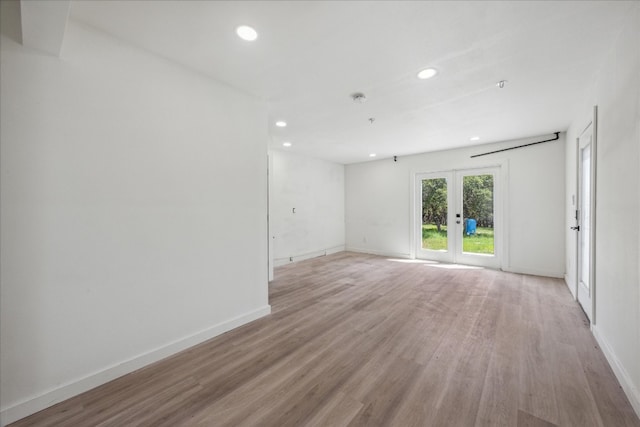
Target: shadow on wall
column 10, row 19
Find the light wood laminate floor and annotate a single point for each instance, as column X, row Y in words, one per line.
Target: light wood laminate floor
column 361, row 340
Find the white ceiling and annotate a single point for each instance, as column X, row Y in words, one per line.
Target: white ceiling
column 312, row 55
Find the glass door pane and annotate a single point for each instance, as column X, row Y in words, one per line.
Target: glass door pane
column 434, row 214
column 585, row 215
column 478, row 214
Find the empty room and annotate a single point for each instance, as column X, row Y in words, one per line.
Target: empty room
column 319, row 213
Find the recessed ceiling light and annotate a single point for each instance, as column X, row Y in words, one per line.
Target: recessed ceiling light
column 372, row 155
column 286, row 144
column 474, row 138
column 427, row 73
column 246, row 33
column 281, row 124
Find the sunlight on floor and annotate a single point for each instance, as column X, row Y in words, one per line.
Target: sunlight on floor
column 436, row 264
column 455, row 266
column 412, row 261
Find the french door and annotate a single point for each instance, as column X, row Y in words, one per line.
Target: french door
column 457, row 217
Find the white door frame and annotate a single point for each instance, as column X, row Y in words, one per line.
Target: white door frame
column 491, row 261
column 587, row 297
column 444, row 256
column 454, row 251
column 270, row 238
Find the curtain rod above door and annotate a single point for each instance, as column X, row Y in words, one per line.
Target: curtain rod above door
column 557, row 137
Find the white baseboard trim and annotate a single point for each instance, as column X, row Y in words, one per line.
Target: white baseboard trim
column 66, row 391
column 534, row 272
column 380, row 253
column 335, row 250
column 301, row 257
column 630, row 389
column 571, row 287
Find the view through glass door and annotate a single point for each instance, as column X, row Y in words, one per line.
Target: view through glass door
column 434, row 216
column 457, row 217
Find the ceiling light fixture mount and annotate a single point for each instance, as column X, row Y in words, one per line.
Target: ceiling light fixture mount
column 359, row 97
column 501, row 84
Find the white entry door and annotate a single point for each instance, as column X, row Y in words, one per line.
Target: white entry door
column 457, row 217
column 585, row 220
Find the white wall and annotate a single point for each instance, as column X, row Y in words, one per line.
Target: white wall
column 379, row 202
column 133, row 214
column 616, row 92
column 315, row 188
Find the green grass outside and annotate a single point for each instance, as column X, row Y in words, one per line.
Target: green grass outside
column 480, row 243
column 434, row 239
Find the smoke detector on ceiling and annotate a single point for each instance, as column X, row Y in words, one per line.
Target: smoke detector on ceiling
column 358, row 97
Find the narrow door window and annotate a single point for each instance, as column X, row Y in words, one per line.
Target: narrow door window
column 585, row 215
column 434, row 214
column 477, row 211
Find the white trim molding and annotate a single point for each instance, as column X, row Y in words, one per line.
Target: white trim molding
column 66, row 391
column 295, row 258
column 534, row 272
column 630, row 389
column 572, row 288
column 380, row 253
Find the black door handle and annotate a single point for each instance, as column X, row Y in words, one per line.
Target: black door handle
column 577, row 228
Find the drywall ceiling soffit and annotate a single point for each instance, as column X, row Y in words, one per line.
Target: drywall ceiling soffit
column 43, row 24
column 311, row 56
column 10, row 25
